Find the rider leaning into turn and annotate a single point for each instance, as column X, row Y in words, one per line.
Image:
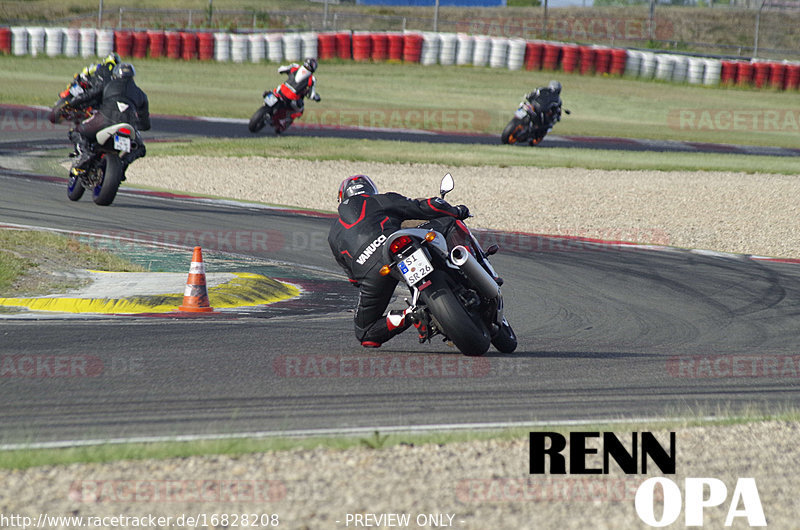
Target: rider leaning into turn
column 299, row 84
column 119, row 101
column 366, row 218
column 95, row 75
column 542, row 97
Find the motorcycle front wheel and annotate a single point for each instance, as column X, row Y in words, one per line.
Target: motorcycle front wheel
column 258, row 120
column 512, row 132
column 74, row 188
column 466, row 331
column 104, row 194
column 505, row 340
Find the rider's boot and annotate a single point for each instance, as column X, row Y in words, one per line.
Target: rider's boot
column 85, row 154
column 397, row 318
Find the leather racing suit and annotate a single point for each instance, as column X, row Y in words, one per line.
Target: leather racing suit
column 356, row 237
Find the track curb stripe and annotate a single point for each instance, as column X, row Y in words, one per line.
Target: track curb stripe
column 246, row 290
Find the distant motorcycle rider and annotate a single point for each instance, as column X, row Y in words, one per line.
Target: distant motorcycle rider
column 366, row 218
column 299, row 84
column 542, row 100
column 119, row 100
column 94, row 75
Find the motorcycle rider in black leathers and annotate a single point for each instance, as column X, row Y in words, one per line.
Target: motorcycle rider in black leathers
column 119, row 101
column 98, row 74
column 92, row 76
column 542, row 98
column 366, row 218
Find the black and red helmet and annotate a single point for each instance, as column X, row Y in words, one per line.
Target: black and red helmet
column 310, row 64
column 357, row 185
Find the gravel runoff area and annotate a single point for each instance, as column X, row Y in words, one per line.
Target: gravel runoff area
column 475, row 485
column 481, row 484
column 732, row 212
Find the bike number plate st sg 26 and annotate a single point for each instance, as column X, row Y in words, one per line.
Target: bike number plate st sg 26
column 520, row 113
column 270, row 99
column 415, row 267
column 122, row 143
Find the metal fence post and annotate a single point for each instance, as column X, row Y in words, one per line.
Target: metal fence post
column 544, row 22
column 758, row 23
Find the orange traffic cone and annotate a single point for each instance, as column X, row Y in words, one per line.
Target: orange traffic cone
column 195, row 297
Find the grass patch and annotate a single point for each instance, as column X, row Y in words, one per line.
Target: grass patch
column 26, row 458
column 464, row 99
column 12, row 266
column 29, row 259
column 474, row 155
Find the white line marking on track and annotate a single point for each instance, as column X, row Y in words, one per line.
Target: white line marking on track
column 352, row 431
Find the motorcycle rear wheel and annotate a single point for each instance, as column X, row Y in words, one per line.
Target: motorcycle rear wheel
column 258, row 120
column 467, row 332
column 112, row 177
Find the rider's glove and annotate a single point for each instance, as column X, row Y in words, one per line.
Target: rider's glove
column 463, row 212
column 265, row 94
column 316, row 97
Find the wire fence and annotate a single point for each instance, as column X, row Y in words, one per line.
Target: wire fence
column 766, row 29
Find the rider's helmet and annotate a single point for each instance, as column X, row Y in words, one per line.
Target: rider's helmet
column 123, row 71
column 112, row 59
column 310, row 64
column 357, row 185
column 555, row 86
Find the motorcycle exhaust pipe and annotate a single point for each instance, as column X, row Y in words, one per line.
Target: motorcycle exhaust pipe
column 484, row 283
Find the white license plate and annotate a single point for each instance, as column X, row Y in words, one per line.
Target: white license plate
column 415, row 267
column 76, row 90
column 122, row 143
column 270, row 99
column 520, row 113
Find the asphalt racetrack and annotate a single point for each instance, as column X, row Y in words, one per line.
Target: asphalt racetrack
column 605, row 332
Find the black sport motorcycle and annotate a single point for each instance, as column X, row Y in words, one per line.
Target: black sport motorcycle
column 455, row 292
column 105, row 171
column 528, row 126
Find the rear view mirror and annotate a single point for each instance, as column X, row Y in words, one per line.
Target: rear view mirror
column 447, row 185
